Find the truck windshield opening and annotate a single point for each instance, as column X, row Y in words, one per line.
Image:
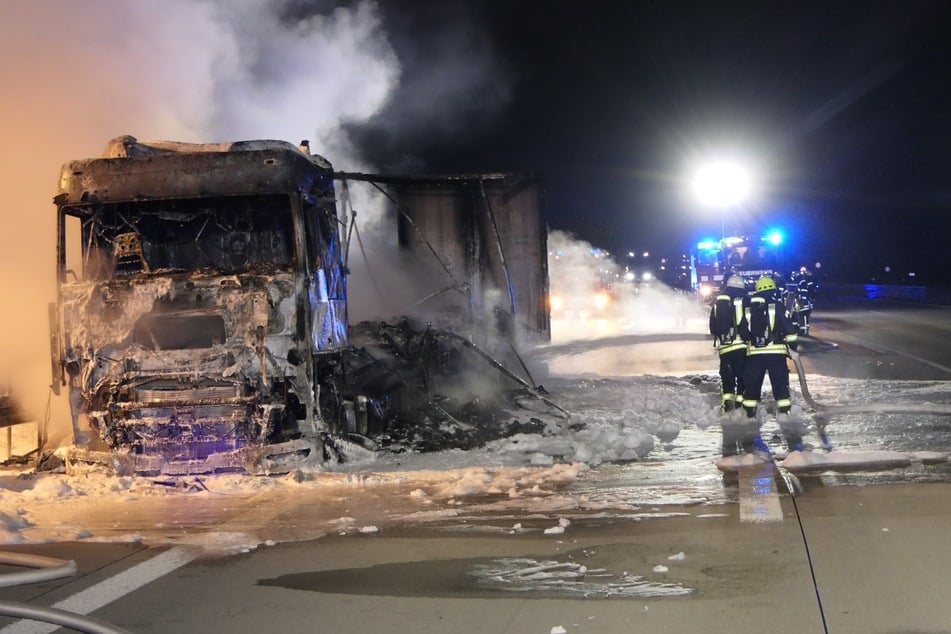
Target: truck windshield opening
column 226, row 234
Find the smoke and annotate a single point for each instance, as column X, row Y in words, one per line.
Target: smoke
column 388, row 280
column 79, row 74
column 313, row 74
column 592, row 298
column 450, row 95
column 382, row 281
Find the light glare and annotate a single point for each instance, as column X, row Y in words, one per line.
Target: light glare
column 721, row 184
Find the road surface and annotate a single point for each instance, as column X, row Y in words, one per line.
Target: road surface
column 838, row 558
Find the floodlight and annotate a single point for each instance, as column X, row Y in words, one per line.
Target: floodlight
column 721, row 184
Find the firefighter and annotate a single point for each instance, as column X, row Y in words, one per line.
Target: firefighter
column 769, row 333
column 805, row 286
column 725, row 317
column 726, row 314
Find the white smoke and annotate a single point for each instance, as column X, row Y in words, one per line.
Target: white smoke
column 592, row 299
column 78, row 74
column 307, row 76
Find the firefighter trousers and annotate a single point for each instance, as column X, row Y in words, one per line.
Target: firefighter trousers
column 731, row 378
column 755, row 371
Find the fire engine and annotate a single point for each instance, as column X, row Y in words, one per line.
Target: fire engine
column 751, row 257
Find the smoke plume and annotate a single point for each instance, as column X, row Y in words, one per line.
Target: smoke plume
column 79, row 74
column 592, row 298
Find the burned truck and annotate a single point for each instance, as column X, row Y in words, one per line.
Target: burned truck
column 201, row 322
column 201, row 297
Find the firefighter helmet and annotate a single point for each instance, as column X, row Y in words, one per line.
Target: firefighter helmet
column 735, row 281
column 765, row 283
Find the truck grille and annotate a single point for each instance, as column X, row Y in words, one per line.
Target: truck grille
column 233, row 412
column 179, row 394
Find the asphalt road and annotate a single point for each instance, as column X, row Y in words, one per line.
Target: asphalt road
column 840, row 558
column 878, row 341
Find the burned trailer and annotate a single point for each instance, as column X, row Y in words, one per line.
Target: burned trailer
column 489, row 230
column 201, row 304
column 484, row 241
column 445, row 370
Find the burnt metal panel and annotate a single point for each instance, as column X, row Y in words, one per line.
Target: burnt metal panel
column 489, row 233
column 516, row 205
column 191, row 175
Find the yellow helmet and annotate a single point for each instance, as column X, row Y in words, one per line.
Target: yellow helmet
column 765, row 283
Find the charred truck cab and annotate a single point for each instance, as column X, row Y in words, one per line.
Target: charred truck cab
column 201, row 298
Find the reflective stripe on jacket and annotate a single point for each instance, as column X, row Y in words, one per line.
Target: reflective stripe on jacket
column 782, row 331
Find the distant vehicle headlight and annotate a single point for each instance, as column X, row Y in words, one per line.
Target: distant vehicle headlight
column 647, row 276
column 705, row 291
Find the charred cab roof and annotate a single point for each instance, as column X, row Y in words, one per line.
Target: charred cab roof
column 130, row 171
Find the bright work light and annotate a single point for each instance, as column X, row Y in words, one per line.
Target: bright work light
column 721, row 184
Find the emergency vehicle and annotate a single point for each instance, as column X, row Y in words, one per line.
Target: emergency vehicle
column 749, row 257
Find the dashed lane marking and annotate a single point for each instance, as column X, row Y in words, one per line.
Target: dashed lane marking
column 108, row 590
column 759, row 501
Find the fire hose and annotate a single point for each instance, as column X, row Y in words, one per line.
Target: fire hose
column 888, row 408
column 46, row 569
column 911, row 408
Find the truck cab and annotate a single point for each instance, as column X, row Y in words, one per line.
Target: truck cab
column 201, row 295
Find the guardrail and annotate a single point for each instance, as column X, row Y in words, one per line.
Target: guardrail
column 888, row 292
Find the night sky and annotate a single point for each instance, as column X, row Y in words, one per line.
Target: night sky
column 841, row 110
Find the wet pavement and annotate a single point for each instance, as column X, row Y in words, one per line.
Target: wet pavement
column 665, row 544
column 838, row 559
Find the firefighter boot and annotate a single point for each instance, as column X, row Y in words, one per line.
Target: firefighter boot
column 729, row 447
column 792, row 429
column 748, row 436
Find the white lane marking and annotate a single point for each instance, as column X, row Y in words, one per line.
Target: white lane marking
column 759, row 501
column 108, row 590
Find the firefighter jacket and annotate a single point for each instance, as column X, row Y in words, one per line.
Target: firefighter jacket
column 737, row 302
column 783, row 333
